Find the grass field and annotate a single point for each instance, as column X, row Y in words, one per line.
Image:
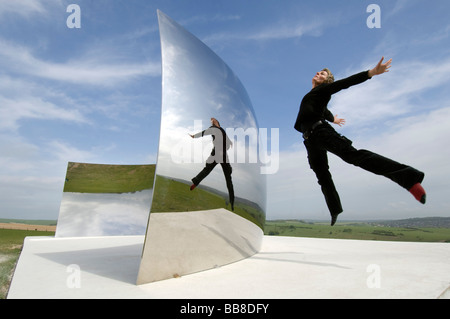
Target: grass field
column 11, row 241
column 362, row 231
column 103, row 178
column 174, row 196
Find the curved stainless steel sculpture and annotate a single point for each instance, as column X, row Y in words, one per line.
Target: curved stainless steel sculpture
column 105, row 200
column 220, row 218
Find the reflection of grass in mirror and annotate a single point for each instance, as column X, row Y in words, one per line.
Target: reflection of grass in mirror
column 174, row 196
column 102, row 178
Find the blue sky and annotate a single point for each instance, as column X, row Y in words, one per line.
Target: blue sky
column 93, row 94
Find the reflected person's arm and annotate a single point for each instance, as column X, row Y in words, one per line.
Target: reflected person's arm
column 208, row 131
column 197, row 135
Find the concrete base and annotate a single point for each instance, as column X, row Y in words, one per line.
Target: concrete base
column 107, row 267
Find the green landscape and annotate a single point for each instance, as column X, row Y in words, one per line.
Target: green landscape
column 417, row 231
column 11, row 241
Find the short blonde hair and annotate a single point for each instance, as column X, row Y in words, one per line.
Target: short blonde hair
column 330, row 78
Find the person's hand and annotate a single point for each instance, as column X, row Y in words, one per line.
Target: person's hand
column 380, row 68
column 338, row 121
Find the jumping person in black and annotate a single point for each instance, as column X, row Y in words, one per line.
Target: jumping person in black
column 218, row 155
column 320, row 137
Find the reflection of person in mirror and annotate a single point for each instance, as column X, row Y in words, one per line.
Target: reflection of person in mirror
column 320, row 137
column 218, row 155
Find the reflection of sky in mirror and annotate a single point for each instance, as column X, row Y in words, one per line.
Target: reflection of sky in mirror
column 196, row 82
column 198, row 85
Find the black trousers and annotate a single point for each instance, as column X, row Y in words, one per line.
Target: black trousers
column 325, row 139
column 227, row 170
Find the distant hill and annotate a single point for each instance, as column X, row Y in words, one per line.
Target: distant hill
column 29, row 222
column 425, row 222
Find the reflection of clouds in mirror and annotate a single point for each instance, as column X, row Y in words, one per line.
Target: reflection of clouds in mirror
column 197, row 82
column 93, row 214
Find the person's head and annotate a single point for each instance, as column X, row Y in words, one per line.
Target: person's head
column 215, row 122
column 323, row 76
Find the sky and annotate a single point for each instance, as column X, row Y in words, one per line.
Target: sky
column 93, row 93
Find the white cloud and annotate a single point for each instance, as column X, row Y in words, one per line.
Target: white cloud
column 284, row 31
column 397, row 93
column 21, row 99
column 201, row 19
column 20, row 59
column 66, row 152
column 12, row 111
column 277, row 31
column 22, row 7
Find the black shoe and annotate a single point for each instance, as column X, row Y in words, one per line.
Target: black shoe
column 232, row 205
column 423, row 199
column 334, row 218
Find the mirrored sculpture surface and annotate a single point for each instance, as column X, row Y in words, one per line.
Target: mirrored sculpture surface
column 105, row 200
column 208, row 206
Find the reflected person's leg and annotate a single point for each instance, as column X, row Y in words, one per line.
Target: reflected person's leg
column 227, row 170
column 203, row 173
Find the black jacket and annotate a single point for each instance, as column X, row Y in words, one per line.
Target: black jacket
column 221, row 142
column 313, row 107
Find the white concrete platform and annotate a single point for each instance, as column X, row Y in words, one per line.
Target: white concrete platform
column 288, row 268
